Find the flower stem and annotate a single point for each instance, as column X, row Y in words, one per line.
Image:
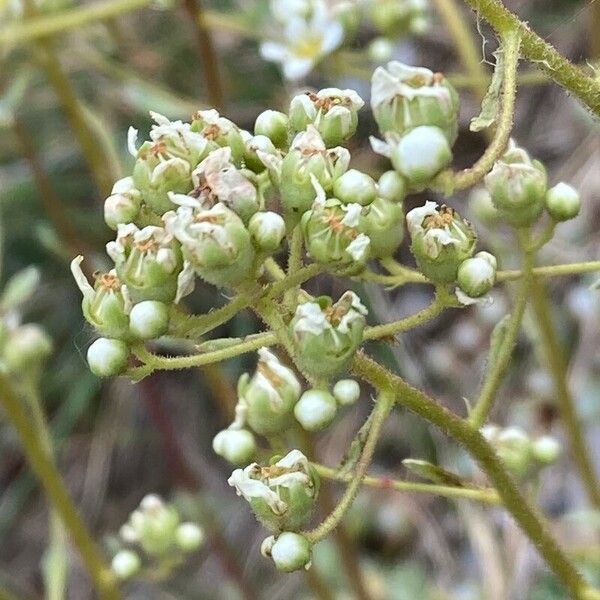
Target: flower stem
column 56, row 492
column 383, row 405
column 463, row 432
column 557, row 365
column 485, row 495
column 541, row 53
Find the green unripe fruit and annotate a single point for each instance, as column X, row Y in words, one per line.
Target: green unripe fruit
column 563, row 202
column 383, row 223
column 149, row 320
column 108, row 358
column 315, row 410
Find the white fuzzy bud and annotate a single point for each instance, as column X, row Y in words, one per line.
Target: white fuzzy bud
column 315, row 410
column 149, row 319
column 107, row 357
column 346, row 392
column 236, row 446
column 189, row 537
column 291, row 552
column 355, row 187
column 126, row 564
column 267, row 230
column 563, row 202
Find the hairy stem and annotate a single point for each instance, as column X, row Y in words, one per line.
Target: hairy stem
column 463, row 432
column 383, row 405
column 541, row 53
column 57, row 493
column 557, row 365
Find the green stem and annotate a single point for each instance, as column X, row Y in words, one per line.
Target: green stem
column 541, row 53
column 449, row 181
column 553, row 270
column 294, row 265
column 502, row 357
column 557, row 365
column 485, row 495
column 383, row 405
column 526, row 516
column 56, row 492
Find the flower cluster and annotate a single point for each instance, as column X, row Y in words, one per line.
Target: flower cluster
column 155, row 530
column 304, row 32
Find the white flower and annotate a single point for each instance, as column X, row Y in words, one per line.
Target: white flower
column 305, row 41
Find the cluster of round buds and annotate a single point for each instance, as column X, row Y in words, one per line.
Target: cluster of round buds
column 326, row 335
column 317, row 407
column 156, row 529
column 417, row 114
column 24, row 348
column 282, row 495
column 518, row 188
column 303, row 32
column 519, row 451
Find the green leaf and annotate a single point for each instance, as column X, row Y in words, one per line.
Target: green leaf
column 496, row 339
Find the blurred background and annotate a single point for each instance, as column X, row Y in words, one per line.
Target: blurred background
column 66, row 102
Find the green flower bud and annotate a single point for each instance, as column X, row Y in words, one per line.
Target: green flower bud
column 546, row 449
column 236, row 446
column 281, row 495
column 106, row 306
column 315, row 410
column 441, row 240
column 149, row 262
column 405, row 97
column 482, row 206
column 220, row 131
column 476, row 276
column 327, row 335
column 154, row 525
column 392, row 187
column 346, row 392
column 418, row 155
column 383, row 223
column 27, row 347
column 107, row 358
column 189, row 537
column 126, row 564
column 380, row 50
column 267, row 230
column 332, row 235
column 257, row 148
column 149, row 319
column 216, row 179
column 214, row 241
column 513, row 446
column 517, row 186
column 563, row 202
column 332, row 111
column 354, row 187
column 274, row 125
column 124, row 203
column 290, row 551
column 308, row 156
column 269, row 395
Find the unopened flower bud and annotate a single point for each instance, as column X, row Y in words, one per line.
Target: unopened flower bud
column 125, row 564
column 308, row 157
column 392, row 187
column 441, row 240
column 332, row 111
column 149, row 319
column 267, row 230
column 315, row 410
column 155, row 525
column 106, row 306
column 514, row 448
column 26, row 348
column 327, row 335
column 257, row 148
column 189, row 537
column 563, row 202
column 274, row 125
column 517, row 185
column 291, row 552
column 383, row 222
column 355, row 187
column 124, row 203
column 380, row 50
column 420, row 154
column 269, row 395
column 214, row 241
column 236, row 446
column 396, row 18
column 108, row 358
column 281, row 495
column 476, row 276
column 346, row 392
column 405, row 97
column 546, row 449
